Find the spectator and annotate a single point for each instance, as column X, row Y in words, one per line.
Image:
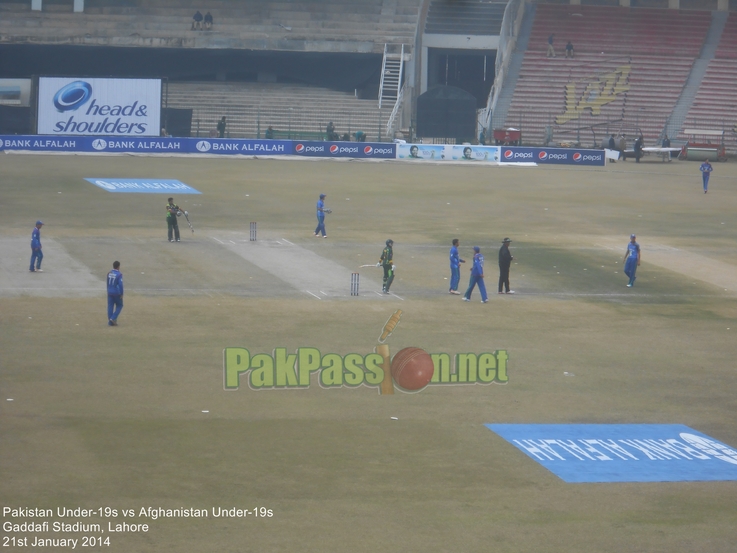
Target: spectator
column 639, row 143
column 346, row 137
column 551, row 50
column 569, row 50
column 622, row 147
column 612, row 145
column 330, row 132
column 360, row 136
column 197, row 20
column 208, row 21
column 269, row 135
column 221, row 127
column 666, row 144
column 482, row 138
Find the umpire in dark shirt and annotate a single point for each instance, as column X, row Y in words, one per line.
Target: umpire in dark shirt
column 505, row 260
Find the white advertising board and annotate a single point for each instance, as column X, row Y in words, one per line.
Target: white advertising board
column 121, row 107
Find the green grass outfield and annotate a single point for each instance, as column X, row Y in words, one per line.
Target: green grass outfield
column 114, row 417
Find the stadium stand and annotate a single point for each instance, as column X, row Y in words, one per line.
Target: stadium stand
column 327, row 25
column 465, row 17
column 715, row 104
column 291, row 29
column 629, row 68
column 292, row 110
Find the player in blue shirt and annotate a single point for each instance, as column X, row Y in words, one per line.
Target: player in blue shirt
column 706, row 170
column 321, row 216
column 455, row 268
column 477, row 277
column 114, row 294
column 632, row 260
column 36, row 253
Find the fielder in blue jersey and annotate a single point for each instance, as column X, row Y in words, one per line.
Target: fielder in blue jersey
column 455, row 268
column 477, row 277
column 632, row 260
column 706, row 170
column 321, row 216
column 114, row 294
column 36, row 253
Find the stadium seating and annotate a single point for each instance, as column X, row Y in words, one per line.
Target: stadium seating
column 646, row 91
column 250, row 108
column 715, row 104
column 657, row 46
column 306, row 25
column 727, row 48
column 465, row 17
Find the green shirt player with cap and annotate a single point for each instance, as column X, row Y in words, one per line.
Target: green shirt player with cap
column 386, row 261
column 172, row 210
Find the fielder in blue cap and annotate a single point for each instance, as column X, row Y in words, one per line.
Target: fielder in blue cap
column 632, row 260
column 321, row 216
column 36, row 253
column 477, row 276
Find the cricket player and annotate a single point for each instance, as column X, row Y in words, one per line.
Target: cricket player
column 455, row 268
column 387, row 262
column 171, row 219
column 36, row 253
column 477, row 276
column 505, row 262
column 114, row 294
column 321, row 216
column 632, row 260
column 706, row 170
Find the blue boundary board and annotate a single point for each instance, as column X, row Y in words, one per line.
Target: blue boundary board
column 143, row 186
column 623, row 452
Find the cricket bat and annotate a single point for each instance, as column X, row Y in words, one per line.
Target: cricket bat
column 387, row 385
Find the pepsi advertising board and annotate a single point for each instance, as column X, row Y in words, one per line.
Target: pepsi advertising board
column 378, row 150
column 559, row 156
column 99, row 107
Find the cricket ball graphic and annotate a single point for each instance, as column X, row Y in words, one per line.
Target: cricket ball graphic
column 412, row 369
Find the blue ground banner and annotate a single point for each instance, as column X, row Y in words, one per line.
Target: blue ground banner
column 623, row 452
column 144, row 186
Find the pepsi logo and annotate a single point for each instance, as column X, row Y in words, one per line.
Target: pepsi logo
column 577, row 156
column 299, row 148
column 508, row 154
column 542, row 155
column 367, row 150
column 333, row 149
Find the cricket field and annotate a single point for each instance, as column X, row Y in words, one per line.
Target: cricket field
column 132, row 434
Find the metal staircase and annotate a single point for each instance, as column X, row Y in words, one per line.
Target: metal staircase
column 391, row 74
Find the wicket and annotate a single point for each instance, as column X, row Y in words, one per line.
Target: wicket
column 253, row 231
column 354, row 284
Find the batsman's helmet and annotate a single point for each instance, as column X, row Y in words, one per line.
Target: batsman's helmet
column 389, row 242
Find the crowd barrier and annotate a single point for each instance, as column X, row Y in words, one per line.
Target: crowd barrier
column 327, row 149
column 501, row 154
column 221, row 146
